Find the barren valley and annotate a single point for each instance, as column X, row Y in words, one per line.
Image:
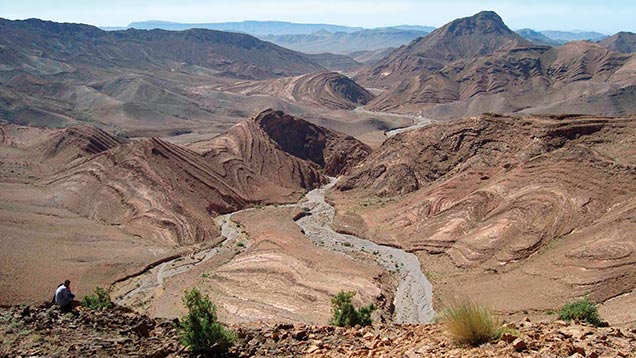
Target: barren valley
column 470, row 162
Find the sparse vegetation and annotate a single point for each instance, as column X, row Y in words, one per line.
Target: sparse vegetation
column 344, row 313
column 470, row 323
column 240, row 244
column 100, row 299
column 581, row 310
column 199, row 329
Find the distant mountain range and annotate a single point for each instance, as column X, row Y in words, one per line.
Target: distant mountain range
column 537, row 37
column 567, row 36
column 308, row 38
column 257, row 28
column 477, row 64
column 346, row 43
column 345, row 40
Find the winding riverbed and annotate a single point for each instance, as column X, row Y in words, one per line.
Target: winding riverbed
column 413, row 297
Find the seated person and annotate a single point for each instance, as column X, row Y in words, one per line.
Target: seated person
column 64, row 296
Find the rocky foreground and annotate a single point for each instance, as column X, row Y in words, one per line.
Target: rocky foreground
column 118, row 332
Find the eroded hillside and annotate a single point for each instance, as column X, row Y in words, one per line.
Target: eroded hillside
column 523, row 212
column 149, row 199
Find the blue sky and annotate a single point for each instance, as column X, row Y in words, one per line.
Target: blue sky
column 603, row 16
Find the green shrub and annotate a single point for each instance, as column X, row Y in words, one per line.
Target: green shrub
column 344, row 314
column 469, row 323
column 101, row 299
column 581, row 310
column 199, row 329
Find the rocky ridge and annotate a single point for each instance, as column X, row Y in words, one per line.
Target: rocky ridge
column 328, row 89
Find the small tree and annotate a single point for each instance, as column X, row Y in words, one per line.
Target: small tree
column 199, row 329
column 581, row 310
column 101, row 299
column 344, row 314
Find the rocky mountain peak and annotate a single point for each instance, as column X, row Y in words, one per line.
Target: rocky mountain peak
column 484, row 32
column 483, row 22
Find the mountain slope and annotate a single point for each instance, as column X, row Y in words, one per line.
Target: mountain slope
column 223, row 52
column 98, row 208
column 334, row 62
column 622, row 42
column 481, row 66
column 166, row 193
column 139, row 82
column 479, row 35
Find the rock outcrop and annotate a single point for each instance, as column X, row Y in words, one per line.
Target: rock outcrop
column 335, row 152
column 74, row 144
column 165, row 192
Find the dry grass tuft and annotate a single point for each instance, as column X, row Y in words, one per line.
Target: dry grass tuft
column 469, row 323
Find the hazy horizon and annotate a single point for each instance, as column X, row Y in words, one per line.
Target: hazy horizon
column 569, row 15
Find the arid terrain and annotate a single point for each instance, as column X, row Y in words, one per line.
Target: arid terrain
column 145, row 197
column 523, row 212
column 477, row 64
column 474, row 161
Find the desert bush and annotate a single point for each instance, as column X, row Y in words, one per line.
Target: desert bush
column 581, row 310
column 100, row 299
column 199, row 329
column 344, row 313
column 469, row 323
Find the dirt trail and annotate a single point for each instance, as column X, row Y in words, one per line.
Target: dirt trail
column 413, row 298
